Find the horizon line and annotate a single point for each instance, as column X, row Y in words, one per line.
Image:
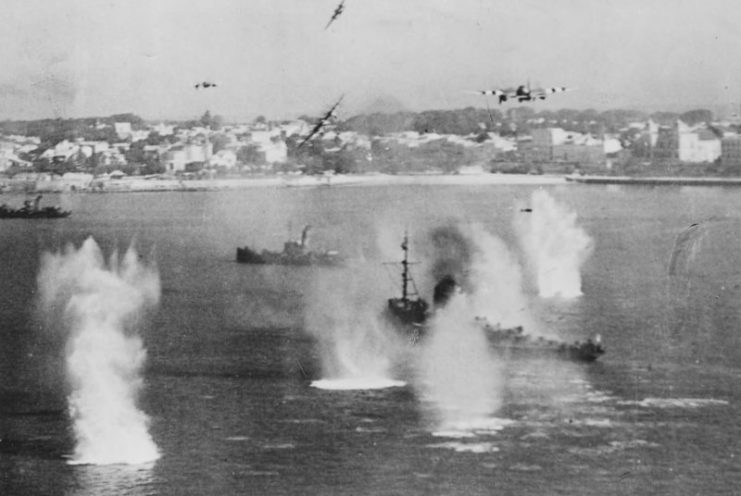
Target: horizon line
column 716, row 109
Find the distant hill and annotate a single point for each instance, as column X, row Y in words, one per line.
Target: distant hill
column 385, row 104
column 517, row 120
column 52, row 131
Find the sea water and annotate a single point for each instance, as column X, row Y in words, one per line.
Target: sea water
column 232, row 350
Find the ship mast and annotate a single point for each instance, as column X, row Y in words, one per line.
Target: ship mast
column 405, row 269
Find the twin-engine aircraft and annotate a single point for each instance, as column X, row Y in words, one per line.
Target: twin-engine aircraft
column 337, row 12
column 523, row 93
column 204, row 85
column 323, row 121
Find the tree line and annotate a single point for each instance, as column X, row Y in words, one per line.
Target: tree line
column 518, row 120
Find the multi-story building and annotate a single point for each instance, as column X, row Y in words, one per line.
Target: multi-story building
column 179, row 156
column 584, row 154
column 123, row 129
column 730, row 154
column 683, row 143
column 557, row 145
column 272, row 144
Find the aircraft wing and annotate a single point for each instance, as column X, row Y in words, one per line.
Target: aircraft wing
column 331, row 111
column 542, row 93
column 335, row 14
column 330, row 21
column 496, row 92
column 322, row 122
column 318, row 126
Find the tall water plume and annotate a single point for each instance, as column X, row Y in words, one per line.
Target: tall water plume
column 487, row 272
column 496, row 284
column 99, row 307
column 459, row 378
column 555, row 246
column 356, row 349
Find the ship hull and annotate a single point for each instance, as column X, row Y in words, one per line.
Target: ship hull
column 248, row 256
column 574, row 353
column 47, row 213
column 511, row 344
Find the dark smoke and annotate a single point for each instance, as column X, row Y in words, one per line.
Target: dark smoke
column 444, row 290
column 452, row 255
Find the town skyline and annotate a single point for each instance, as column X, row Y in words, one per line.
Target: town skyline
column 438, row 141
column 76, row 58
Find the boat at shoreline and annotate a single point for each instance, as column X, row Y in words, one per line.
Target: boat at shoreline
column 294, row 253
column 410, row 314
column 29, row 211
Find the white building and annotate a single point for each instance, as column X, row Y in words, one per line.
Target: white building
column 123, row 129
column 224, row 158
column 271, row 144
column 697, row 144
column 63, row 149
column 179, row 156
column 164, row 129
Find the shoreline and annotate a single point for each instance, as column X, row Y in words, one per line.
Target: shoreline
column 137, row 185
column 656, row 181
column 141, row 185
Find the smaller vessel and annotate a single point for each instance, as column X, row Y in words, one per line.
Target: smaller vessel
column 294, row 253
column 29, row 211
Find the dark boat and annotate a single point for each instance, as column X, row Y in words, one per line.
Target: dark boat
column 410, row 315
column 32, row 212
column 410, row 311
column 294, row 253
column 513, row 342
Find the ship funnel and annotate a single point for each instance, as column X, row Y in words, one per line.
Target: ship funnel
column 305, row 236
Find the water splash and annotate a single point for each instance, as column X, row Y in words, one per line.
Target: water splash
column 496, row 284
column 355, row 355
column 460, row 379
column 361, row 383
column 477, row 448
column 99, row 307
column 556, row 247
column 357, row 351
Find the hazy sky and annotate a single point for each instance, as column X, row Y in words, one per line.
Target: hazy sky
column 72, row 58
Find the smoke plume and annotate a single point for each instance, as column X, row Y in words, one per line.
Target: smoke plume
column 485, row 270
column 452, row 254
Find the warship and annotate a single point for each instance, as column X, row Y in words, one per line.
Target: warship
column 411, row 314
column 29, row 211
column 294, row 253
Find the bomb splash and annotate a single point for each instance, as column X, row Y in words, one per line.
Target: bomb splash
column 100, row 307
column 356, row 350
column 459, row 378
column 555, row 246
column 496, row 284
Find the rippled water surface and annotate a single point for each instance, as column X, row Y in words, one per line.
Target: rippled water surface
column 234, row 352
